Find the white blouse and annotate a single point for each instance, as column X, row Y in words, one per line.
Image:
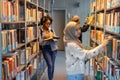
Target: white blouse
column 76, row 56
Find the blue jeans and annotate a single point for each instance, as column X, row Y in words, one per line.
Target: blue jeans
column 75, row 77
column 49, row 57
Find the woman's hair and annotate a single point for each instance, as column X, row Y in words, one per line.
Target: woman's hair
column 44, row 19
column 75, row 18
column 69, row 33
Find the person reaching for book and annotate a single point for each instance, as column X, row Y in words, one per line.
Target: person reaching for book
column 87, row 23
column 75, row 54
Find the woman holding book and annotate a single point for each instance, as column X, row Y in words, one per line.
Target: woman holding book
column 48, row 44
column 86, row 24
column 75, row 54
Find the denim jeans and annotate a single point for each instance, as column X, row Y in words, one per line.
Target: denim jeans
column 49, row 57
column 75, row 77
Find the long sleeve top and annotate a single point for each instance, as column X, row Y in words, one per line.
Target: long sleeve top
column 83, row 29
column 76, row 56
column 43, row 42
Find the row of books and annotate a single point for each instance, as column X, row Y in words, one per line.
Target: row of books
column 8, row 11
column 9, row 67
column 31, row 34
column 103, row 4
column 39, row 16
column 11, row 38
column 12, row 61
column 100, row 4
column 30, row 53
column 113, row 19
column 99, row 74
column 113, row 22
column 112, row 3
column 112, row 50
column 97, row 35
column 100, row 20
column 29, row 71
column 108, row 63
column 112, row 71
column 111, row 68
column 31, row 14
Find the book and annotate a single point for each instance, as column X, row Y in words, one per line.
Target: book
column 18, row 76
column 21, row 12
column 109, row 49
column 114, row 54
column 117, row 73
column 118, row 50
column 5, row 65
column 51, row 38
column 91, row 20
column 23, row 75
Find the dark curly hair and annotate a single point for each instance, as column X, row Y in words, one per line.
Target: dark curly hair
column 44, row 19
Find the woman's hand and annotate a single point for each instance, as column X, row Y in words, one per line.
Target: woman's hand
column 106, row 40
column 51, row 34
column 48, row 35
column 91, row 20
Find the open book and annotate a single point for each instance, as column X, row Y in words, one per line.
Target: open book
column 51, row 38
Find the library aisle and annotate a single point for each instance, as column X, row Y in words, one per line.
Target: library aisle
column 60, row 73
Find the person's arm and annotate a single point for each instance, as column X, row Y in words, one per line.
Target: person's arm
column 84, row 28
column 95, row 51
column 79, row 53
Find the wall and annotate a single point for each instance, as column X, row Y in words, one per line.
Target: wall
column 72, row 8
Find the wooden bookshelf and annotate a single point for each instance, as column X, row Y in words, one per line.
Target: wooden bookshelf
column 20, row 14
column 13, row 22
column 102, row 10
column 111, row 26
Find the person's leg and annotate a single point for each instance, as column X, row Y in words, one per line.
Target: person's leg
column 47, row 57
column 53, row 57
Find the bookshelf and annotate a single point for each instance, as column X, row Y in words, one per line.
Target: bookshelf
column 107, row 22
column 20, row 54
column 0, row 54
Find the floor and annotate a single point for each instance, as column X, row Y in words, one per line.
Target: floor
column 60, row 73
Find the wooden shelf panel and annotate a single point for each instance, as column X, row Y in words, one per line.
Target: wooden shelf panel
column 98, row 27
column 102, row 10
column 113, row 8
column 12, row 22
column 113, row 33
